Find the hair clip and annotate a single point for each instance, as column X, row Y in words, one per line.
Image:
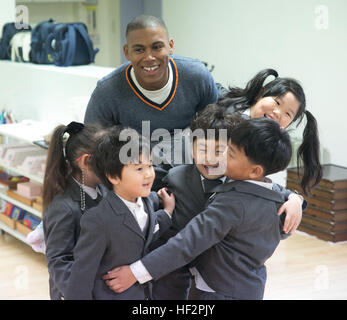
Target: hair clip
column 74, row 127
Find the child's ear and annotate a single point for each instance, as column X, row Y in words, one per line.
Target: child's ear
column 84, row 161
column 256, row 172
column 114, row 180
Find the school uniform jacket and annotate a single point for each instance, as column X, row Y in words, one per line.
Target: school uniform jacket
column 110, row 237
column 61, row 225
column 232, row 238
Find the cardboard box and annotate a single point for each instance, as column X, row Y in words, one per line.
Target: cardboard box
column 38, row 206
column 7, row 220
column 29, row 189
column 22, row 228
column 20, row 198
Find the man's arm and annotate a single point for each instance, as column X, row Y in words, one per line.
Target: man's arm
column 210, row 91
column 101, row 107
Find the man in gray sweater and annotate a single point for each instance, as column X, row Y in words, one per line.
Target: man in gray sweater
column 153, row 85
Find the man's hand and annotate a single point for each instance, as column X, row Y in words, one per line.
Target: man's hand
column 293, row 209
column 120, row 279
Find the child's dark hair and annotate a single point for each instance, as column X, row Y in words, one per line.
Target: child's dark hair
column 263, row 142
column 213, row 117
column 308, row 152
column 117, row 148
column 62, row 155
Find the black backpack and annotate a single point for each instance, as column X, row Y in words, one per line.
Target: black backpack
column 39, row 47
column 70, row 45
column 8, row 31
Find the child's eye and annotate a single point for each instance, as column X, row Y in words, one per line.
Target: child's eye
column 139, row 169
column 277, row 102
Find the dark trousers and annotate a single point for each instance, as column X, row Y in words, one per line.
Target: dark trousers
column 174, row 286
column 203, row 295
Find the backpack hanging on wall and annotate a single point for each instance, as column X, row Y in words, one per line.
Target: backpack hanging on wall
column 70, row 44
column 39, row 48
column 8, row 31
column 20, row 46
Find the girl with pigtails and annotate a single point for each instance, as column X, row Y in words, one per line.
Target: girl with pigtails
column 282, row 100
column 70, row 188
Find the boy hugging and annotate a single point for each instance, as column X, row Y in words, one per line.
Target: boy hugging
column 230, row 239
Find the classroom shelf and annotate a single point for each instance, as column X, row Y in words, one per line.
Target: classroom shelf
column 32, row 210
column 13, row 232
column 26, row 131
column 15, row 170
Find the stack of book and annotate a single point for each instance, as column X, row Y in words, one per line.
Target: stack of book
column 326, row 214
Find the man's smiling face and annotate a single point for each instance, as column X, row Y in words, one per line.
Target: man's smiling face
column 148, row 51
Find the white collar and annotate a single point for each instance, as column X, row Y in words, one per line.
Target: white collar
column 133, row 205
column 266, row 184
column 247, row 112
column 221, row 178
column 92, row 192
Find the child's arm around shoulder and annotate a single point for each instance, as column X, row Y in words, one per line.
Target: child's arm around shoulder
column 164, row 215
column 293, row 208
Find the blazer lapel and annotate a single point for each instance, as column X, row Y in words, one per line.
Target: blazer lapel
column 120, row 208
column 151, row 221
column 193, row 180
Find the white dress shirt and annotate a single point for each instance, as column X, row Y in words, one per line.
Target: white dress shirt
column 138, row 211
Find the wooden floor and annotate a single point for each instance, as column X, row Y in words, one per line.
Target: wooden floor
column 303, row 267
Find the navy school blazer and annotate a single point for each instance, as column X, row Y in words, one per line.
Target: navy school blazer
column 110, row 237
column 61, row 226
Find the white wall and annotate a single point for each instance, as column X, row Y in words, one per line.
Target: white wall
column 242, row 37
column 7, row 12
column 46, row 92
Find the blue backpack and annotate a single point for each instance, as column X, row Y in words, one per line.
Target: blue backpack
column 39, row 48
column 8, row 31
column 69, row 44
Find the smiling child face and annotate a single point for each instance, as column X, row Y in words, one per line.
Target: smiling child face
column 209, row 157
column 136, row 181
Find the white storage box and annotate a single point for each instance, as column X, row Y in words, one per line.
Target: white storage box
column 32, row 164
column 5, row 147
column 15, row 157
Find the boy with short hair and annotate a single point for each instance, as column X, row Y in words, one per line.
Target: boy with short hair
column 120, row 229
column 186, row 182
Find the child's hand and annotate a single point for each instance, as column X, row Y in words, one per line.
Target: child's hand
column 168, row 200
column 293, row 209
column 120, row 279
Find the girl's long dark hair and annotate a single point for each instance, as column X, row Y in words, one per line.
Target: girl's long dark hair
column 239, row 99
column 61, row 164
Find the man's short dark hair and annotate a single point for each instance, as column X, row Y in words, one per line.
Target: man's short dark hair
column 117, row 148
column 143, row 22
column 263, row 142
